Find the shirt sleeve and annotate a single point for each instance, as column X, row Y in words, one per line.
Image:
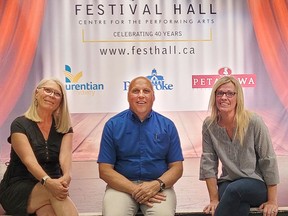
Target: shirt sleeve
column 209, row 159
column 175, row 151
column 264, row 149
column 107, row 152
column 17, row 126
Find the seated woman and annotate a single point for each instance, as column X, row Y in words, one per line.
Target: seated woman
column 241, row 141
column 38, row 175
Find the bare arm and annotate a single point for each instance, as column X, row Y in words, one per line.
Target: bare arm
column 211, row 184
column 22, row 147
column 114, row 179
column 65, row 157
column 24, row 151
column 174, row 172
column 272, row 203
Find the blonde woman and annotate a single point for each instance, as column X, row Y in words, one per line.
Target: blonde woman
column 240, row 140
column 38, row 176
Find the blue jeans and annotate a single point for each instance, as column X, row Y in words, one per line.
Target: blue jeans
column 236, row 197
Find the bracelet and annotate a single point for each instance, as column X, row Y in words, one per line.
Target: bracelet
column 44, row 179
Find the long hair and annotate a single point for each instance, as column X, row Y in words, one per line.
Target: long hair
column 61, row 115
column 242, row 116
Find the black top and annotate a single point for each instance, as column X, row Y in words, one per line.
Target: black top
column 18, row 182
column 46, row 151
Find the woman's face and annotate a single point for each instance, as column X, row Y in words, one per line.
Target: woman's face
column 49, row 96
column 226, row 98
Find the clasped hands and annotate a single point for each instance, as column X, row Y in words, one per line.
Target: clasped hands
column 148, row 193
column 59, row 188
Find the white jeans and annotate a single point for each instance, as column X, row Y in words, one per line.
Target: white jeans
column 116, row 203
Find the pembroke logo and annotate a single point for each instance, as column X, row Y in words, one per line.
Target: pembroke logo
column 157, row 81
column 73, row 84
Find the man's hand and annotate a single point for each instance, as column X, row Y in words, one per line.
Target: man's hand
column 148, row 193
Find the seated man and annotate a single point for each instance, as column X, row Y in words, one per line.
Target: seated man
column 140, row 157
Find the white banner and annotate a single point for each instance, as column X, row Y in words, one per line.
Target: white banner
column 99, row 46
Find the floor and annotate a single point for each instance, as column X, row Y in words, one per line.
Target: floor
column 87, row 189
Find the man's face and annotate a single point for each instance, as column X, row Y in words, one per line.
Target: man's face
column 141, row 97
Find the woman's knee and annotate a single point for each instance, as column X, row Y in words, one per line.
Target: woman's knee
column 231, row 192
column 39, row 197
column 46, row 210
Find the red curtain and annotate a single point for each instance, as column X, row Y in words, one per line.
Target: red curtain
column 20, row 24
column 271, row 29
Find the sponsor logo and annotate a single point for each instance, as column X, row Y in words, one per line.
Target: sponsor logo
column 157, row 81
column 73, row 83
column 71, row 78
column 207, row 81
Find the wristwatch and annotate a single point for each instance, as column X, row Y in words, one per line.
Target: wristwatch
column 44, row 179
column 162, row 184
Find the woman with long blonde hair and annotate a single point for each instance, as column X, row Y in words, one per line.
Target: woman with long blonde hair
column 38, row 176
column 240, row 141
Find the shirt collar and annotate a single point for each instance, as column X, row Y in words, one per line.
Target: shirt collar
column 134, row 116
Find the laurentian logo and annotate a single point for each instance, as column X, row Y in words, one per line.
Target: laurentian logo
column 71, row 78
column 72, row 83
column 157, row 81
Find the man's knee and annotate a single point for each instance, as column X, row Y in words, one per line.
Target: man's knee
column 159, row 209
column 160, row 212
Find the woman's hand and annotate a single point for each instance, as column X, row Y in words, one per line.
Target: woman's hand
column 269, row 208
column 65, row 180
column 57, row 188
column 210, row 209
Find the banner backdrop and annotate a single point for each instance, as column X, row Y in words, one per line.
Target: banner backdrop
column 98, row 46
column 183, row 46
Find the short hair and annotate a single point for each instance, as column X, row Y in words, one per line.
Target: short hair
column 140, row 77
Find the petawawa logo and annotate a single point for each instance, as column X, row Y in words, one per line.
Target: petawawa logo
column 207, row 81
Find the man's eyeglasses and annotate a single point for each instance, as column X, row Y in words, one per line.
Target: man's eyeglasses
column 228, row 94
column 50, row 92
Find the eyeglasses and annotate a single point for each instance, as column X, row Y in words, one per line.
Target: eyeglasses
column 228, row 94
column 50, row 92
